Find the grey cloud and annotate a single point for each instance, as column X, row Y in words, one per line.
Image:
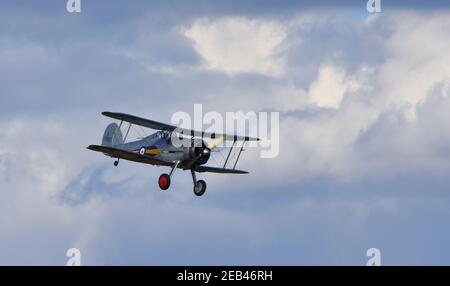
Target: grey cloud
column 395, row 144
column 89, row 184
column 293, row 210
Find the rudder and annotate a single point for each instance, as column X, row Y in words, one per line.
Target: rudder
column 112, row 136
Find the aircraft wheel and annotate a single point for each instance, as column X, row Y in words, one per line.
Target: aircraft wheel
column 200, row 188
column 116, row 163
column 164, row 182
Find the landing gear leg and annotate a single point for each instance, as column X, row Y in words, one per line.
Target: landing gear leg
column 174, row 168
column 199, row 186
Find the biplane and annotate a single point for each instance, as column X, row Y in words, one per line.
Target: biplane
column 158, row 148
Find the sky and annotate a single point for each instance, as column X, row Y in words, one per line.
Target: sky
column 364, row 103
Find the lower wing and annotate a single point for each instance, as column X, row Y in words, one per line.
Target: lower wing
column 202, row 169
column 127, row 155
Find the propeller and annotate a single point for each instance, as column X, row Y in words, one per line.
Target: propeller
column 216, row 142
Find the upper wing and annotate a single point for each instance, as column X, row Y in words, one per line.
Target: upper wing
column 202, row 169
column 140, row 121
column 167, row 127
column 123, row 154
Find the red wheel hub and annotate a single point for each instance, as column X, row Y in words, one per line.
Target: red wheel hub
column 164, row 182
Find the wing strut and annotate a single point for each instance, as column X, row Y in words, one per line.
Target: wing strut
column 229, row 153
column 128, row 131
column 239, row 155
column 116, row 163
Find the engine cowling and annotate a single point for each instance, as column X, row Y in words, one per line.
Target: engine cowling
column 201, row 154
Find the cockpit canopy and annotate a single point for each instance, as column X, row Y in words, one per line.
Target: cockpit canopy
column 163, row 134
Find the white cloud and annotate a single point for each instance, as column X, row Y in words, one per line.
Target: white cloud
column 330, row 87
column 327, row 142
column 418, row 58
column 239, row 45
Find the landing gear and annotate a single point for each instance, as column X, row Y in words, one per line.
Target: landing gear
column 116, row 163
column 199, row 186
column 164, row 182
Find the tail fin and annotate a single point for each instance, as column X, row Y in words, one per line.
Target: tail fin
column 113, row 136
